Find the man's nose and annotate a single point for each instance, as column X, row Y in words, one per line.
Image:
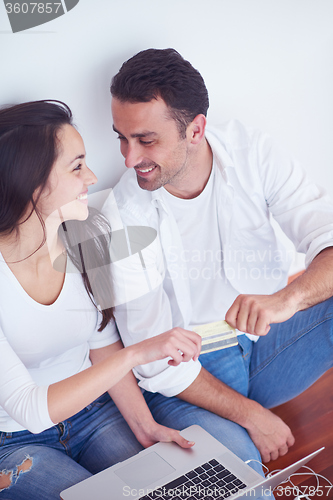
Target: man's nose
column 133, row 156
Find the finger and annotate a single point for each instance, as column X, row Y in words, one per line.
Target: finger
column 195, row 339
column 252, row 321
column 243, row 315
column 188, row 348
column 182, row 442
column 262, row 326
column 231, row 315
column 290, row 440
column 274, row 454
column 283, row 450
column 266, row 456
column 177, row 358
column 188, row 351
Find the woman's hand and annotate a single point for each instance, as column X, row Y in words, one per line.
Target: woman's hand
column 155, row 432
column 179, row 344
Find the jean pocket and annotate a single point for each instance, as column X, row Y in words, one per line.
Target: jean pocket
column 245, row 345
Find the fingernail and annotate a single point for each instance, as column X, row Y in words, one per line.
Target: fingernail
column 191, row 443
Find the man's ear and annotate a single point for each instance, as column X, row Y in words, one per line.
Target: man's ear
column 196, row 129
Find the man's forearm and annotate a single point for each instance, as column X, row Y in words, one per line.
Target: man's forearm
column 316, row 284
column 210, row 393
column 254, row 313
column 268, row 432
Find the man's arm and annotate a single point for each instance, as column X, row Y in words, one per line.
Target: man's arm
column 254, row 313
column 269, row 433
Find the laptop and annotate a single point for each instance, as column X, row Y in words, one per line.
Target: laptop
column 165, row 471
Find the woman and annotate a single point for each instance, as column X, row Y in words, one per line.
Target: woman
column 60, row 356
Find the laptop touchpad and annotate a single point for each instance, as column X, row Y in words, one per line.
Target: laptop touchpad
column 144, row 471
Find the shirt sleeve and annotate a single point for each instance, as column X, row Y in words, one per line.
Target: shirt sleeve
column 109, row 335
column 20, row 397
column 142, row 310
column 303, row 209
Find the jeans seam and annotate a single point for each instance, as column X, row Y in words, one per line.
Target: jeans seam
column 288, row 344
column 66, row 439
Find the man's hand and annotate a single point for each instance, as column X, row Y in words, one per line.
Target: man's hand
column 269, row 433
column 254, row 313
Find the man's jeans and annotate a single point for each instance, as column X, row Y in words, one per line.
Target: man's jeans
column 281, row 365
column 273, row 370
column 95, row 438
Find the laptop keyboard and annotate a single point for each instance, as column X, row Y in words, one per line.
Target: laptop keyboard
column 210, row 481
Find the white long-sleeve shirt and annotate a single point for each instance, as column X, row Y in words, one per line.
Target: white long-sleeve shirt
column 41, row 345
column 254, row 181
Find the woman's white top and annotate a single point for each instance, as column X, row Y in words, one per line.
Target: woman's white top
column 41, row 345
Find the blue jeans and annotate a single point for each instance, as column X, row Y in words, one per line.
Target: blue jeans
column 93, row 439
column 275, row 369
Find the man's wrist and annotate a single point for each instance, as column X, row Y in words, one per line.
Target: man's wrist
column 246, row 414
column 292, row 297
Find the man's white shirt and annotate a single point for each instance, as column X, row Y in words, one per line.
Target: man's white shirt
column 252, row 181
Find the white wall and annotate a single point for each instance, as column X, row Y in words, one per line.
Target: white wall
column 265, row 62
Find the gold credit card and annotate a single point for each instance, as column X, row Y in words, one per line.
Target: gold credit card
column 215, row 336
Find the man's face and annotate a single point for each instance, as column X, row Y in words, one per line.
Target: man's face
column 151, row 144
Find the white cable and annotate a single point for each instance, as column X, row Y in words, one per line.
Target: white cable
column 299, row 493
column 263, row 465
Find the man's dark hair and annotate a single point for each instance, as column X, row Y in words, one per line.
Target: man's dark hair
column 163, row 73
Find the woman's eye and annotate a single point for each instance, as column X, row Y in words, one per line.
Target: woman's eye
column 78, row 167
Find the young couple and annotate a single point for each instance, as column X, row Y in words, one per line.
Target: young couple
column 70, row 405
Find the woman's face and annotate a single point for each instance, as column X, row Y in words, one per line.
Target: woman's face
column 65, row 195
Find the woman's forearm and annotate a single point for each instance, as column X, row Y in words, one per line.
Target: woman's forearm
column 128, row 397
column 111, row 364
column 69, row 396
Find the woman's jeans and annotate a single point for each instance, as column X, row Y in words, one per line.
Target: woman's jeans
column 93, row 439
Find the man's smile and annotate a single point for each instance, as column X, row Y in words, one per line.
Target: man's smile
column 145, row 171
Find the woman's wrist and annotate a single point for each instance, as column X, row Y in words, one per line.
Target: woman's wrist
column 133, row 355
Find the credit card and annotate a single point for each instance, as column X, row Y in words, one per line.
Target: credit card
column 215, row 336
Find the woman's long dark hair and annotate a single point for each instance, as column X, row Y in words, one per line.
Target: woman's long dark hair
column 28, row 150
column 87, row 244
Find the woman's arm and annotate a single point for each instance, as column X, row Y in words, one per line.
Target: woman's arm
column 128, row 397
column 69, row 396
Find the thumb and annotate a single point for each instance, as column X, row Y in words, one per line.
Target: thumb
column 182, row 442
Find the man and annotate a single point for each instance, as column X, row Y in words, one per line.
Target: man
column 210, row 195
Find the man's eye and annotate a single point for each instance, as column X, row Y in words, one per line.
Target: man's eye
column 147, row 142
column 121, row 138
